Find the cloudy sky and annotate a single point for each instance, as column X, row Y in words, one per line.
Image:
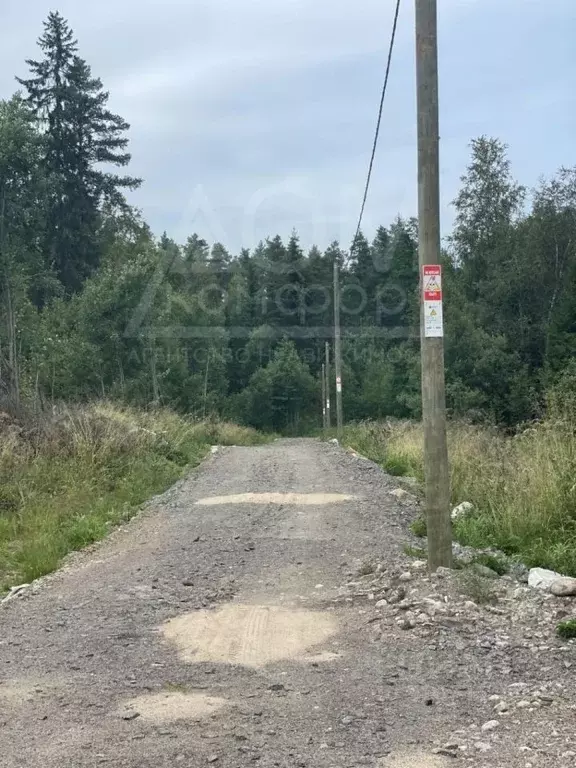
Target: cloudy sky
column 251, row 117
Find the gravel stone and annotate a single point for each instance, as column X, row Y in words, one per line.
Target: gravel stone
column 415, row 670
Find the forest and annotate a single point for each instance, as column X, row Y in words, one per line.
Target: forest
column 95, row 306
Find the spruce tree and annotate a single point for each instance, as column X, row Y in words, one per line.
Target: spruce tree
column 80, row 133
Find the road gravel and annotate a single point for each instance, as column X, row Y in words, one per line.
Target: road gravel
column 212, row 630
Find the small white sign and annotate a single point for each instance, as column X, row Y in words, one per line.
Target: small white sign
column 338, row 386
column 433, row 321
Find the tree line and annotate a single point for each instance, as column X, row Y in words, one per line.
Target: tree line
column 93, row 305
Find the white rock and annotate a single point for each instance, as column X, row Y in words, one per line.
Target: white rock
column 334, row 441
column 462, row 510
column 402, row 495
column 564, row 587
column 540, row 578
column 406, row 576
column 419, row 564
column 14, row 592
column 491, row 725
column 214, row 448
column 441, row 572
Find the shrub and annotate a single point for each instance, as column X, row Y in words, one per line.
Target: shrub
column 567, row 629
column 419, row 527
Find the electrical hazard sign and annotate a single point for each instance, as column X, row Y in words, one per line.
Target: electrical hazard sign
column 432, row 301
column 432, row 282
column 433, row 321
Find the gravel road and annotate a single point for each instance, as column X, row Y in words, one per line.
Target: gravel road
column 212, row 630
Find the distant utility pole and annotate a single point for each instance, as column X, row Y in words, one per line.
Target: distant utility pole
column 337, row 351
column 431, row 323
column 324, row 422
column 327, row 365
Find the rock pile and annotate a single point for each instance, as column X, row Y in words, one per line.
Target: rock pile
column 502, row 631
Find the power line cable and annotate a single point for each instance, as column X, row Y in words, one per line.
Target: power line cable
column 379, row 122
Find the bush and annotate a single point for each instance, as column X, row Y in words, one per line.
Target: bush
column 496, row 564
column 567, row 629
column 419, row 528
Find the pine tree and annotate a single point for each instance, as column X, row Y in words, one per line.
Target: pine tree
column 80, row 133
column 360, row 305
column 219, row 265
column 397, row 292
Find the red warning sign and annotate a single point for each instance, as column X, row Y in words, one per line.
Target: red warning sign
column 432, row 301
column 432, row 282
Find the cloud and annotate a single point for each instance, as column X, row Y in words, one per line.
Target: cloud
column 277, row 99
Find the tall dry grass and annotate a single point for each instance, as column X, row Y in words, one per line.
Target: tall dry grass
column 523, row 488
column 67, row 477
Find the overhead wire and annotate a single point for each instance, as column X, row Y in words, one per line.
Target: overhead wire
column 379, row 121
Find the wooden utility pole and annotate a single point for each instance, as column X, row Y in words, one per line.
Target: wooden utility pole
column 337, row 352
column 206, row 382
column 327, row 364
column 431, row 330
column 324, row 423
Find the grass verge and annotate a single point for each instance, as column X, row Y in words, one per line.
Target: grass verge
column 567, row 629
column 523, row 488
column 65, row 480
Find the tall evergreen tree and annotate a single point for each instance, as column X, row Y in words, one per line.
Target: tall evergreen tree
column 80, row 134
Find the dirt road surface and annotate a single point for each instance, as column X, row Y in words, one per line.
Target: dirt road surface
column 211, row 630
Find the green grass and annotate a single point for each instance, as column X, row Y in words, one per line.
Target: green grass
column 523, row 488
column 567, row 629
column 419, row 528
column 496, row 564
column 371, row 439
column 417, row 552
column 67, row 481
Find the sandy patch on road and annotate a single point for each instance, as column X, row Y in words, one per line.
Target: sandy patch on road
column 173, row 706
column 250, row 635
column 24, row 690
column 412, row 760
column 324, row 657
column 300, row 499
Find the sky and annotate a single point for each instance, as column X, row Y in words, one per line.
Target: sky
column 254, row 117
